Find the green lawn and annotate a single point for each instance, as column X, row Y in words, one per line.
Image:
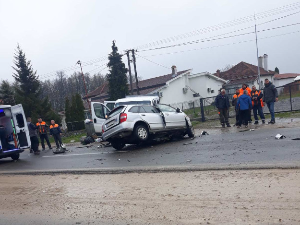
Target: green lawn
column 75, row 137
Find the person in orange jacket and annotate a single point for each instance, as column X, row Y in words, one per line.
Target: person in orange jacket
column 234, row 103
column 41, row 125
column 56, row 133
column 257, row 104
column 245, row 87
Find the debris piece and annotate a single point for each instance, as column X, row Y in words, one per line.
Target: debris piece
column 72, row 141
column 280, row 136
column 251, row 130
column 188, row 160
column 296, row 139
column 98, row 140
column 204, row 133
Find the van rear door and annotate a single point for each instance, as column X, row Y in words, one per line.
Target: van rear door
column 21, row 127
column 98, row 115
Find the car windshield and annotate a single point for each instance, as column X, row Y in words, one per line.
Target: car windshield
column 115, row 111
column 166, row 108
column 133, row 103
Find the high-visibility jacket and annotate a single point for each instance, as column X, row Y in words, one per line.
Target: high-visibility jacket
column 54, row 129
column 42, row 127
column 247, row 89
column 257, row 94
column 234, row 99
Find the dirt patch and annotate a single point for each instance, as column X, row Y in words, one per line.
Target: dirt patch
column 211, row 197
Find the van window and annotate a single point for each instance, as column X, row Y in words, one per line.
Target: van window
column 20, row 120
column 98, row 109
column 110, row 105
column 133, row 103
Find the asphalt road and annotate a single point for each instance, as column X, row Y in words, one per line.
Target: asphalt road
column 228, row 147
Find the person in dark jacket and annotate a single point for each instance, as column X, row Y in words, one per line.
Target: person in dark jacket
column 33, row 136
column 270, row 97
column 41, row 125
column 56, row 132
column 234, row 103
column 244, row 103
column 222, row 104
column 257, row 104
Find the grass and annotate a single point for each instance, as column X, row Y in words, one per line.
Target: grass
column 287, row 96
column 75, row 137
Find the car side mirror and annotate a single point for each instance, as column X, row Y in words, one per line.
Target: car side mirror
column 178, row 110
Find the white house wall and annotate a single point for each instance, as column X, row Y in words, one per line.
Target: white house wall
column 201, row 83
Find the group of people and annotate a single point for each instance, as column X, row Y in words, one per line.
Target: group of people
column 246, row 100
column 40, row 129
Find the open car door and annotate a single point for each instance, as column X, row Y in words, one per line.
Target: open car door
column 98, row 115
column 21, row 128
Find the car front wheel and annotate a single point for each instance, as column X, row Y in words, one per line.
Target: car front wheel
column 15, row 156
column 118, row 145
column 141, row 132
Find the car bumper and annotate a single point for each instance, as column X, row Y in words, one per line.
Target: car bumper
column 121, row 130
column 8, row 153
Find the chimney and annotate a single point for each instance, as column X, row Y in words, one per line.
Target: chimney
column 260, row 61
column 174, row 71
column 218, row 73
column 266, row 62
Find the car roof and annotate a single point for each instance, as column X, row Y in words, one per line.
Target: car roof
column 139, row 98
column 5, row 106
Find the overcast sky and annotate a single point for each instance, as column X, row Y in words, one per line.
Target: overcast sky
column 56, row 34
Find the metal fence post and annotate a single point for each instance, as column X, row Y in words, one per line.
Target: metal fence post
column 290, row 89
column 202, row 110
column 194, row 107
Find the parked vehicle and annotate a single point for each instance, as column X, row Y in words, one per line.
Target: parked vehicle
column 99, row 111
column 138, row 100
column 133, row 124
column 14, row 133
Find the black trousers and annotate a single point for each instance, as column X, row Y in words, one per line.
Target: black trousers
column 45, row 137
column 223, row 113
column 244, row 117
column 237, row 117
column 34, row 143
column 57, row 139
column 258, row 108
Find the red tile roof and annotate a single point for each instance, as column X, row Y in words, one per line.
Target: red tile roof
column 242, row 73
column 145, row 86
column 286, row 75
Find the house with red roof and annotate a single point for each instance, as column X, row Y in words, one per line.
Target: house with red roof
column 284, row 78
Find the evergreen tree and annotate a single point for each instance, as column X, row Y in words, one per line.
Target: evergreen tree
column 68, row 110
column 117, row 75
column 79, row 108
column 27, row 90
column 277, row 70
column 7, row 93
column 73, row 109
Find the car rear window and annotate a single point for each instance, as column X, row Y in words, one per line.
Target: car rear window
column 116, row 111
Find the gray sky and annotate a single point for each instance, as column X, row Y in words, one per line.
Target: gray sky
column 55, row 34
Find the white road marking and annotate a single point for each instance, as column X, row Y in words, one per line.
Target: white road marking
column 98, row 153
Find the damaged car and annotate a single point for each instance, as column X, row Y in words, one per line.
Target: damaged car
column 133, row 124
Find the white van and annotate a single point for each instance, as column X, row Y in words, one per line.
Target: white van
column 138, row 100
column 99, row 111
column 14, row 133
column 110, row 104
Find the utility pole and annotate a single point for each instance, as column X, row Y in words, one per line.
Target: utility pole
column 129, row 70
column 84, row 86
column 258, row 70
column 136, row 77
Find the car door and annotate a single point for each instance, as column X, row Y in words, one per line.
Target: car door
column 98, row 115
column 152, row 116
column 21, row 128
column 173, row 119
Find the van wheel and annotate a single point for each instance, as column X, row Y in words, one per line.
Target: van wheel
column 118, row 145
column 190, row 131
column 15, row 156
column 141, row 132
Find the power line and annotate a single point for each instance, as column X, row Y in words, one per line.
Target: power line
column 216, row 46
column 153, row 62
column 215, row 39
column 235, row 22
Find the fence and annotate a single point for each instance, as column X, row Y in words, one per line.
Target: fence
column 204, row 108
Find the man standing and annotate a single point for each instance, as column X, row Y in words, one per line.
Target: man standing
column 244, row 103
column 257, row 104
column 234, row 103
column 33, row 136
column 245, row 87
column 56, row 132
column 270, row 96
column 41, row 125
column 222, row 103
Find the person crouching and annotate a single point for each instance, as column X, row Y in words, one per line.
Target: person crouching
column 56, row 132
column 245, row 104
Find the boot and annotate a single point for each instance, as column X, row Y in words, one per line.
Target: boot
column 263, row 121
column 223, row 125
column 228, row 125
column 256, row 122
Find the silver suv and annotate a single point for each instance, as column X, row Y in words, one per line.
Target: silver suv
column 133, row 124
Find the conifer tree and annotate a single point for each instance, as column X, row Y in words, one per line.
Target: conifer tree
column 7, row 93
column 117, row 75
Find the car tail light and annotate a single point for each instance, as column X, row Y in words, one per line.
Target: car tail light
column 103, row 129
column 123, row 117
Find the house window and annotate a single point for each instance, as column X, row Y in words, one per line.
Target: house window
column 212, row 91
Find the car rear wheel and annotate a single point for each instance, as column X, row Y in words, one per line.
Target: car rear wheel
column 190, row 131
column 118, row 145
column 15, row 156
column 141, row 132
